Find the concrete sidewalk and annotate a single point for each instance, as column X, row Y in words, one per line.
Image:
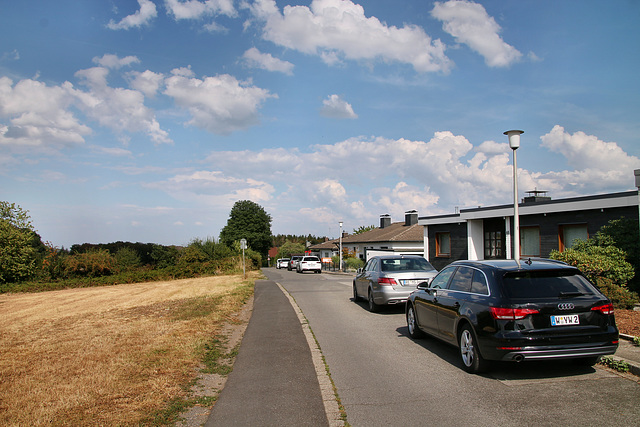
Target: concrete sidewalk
column 274, row 381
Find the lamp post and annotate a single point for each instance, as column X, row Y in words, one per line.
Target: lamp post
column 514, row 144
column 340, row 266
column 637, row 174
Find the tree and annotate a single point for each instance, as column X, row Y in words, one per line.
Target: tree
column 18, row 249
column 248, row 220
column 363, row 229
column 289, row 248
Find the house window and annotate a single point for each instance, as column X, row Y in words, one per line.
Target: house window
column 493, row 244
column 443, row 244
column 530, row 241
column 569, row 233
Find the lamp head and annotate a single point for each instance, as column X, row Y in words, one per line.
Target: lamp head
column 514, row 138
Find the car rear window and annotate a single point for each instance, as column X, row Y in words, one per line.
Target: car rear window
column 546, row 284
column 311, row 258
column 406, row 264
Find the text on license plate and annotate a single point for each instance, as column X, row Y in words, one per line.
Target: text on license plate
column 412, row 282
column 572, row 319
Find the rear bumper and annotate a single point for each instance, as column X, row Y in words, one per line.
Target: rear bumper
column 545, row 353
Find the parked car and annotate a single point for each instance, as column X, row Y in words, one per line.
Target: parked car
column 309, row 263
column 509, row 310
column 282, row 263
column 389, row 279
column 293, row 262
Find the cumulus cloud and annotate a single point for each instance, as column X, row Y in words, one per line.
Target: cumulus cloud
column 194, row 9
column 469, row 24
column 143, row 16
column 33, row 114
column 334, row 29
column 117, row 108
column 114, row 62
column 254, row 58
column 219, row 104
column 146, row 82
column 335, row 107
column 597, row 164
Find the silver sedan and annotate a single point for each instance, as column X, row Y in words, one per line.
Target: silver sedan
column 389, row 279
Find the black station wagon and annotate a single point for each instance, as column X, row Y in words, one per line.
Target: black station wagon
column 509, row 310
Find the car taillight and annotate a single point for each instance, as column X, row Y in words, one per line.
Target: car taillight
column 501, row 313
column 386, row 281
column 604, row 309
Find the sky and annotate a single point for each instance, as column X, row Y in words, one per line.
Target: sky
column 146, row 120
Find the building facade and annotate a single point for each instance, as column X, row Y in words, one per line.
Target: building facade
column 545, row 225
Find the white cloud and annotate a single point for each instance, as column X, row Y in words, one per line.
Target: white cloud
column 38, row 116
column 146, row 82
column 142, row 17
column 597, row 164
column 194, row 9
column 114, row 62
column 254, row 58
column 214, row 188
column 219, row 104
column 117, row 108
column 336, row 108
column 334, row 28
column 469, row 23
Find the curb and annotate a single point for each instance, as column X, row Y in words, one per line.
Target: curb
column 634, row 367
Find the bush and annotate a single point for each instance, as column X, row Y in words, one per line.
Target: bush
column 597, row 261
column 354, row 263
column 620, row 297
column 93, row 263
column 127, row 258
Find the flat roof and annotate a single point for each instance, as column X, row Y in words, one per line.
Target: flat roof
column 600, row 201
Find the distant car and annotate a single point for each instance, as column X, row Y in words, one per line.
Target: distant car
column 293, row 263
column 282, row 263
column 389, row 279
column 309, row 263
column 511, row 310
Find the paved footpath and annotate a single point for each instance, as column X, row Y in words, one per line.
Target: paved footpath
column 273, row 382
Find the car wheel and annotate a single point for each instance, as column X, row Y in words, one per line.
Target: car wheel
column 472, row 361
column 356, row 298
column 412, row 325
column 373, row 307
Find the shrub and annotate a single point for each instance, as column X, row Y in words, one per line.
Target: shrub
column 93, row 263
column 127, row 258
column 354, row 263
column 620, row 297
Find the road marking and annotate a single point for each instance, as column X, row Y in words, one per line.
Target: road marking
column 331, row 407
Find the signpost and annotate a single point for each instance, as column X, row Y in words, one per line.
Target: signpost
column 243, row 246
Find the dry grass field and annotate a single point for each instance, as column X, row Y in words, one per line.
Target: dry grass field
column 116, row 355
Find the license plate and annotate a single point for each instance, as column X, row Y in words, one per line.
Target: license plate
column 572, row 319
column 412, row 282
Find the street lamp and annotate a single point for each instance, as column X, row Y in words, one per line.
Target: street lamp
column 340, row 266
column 514, row 144
column 637, row 174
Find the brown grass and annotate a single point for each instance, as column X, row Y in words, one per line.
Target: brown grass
column 111, row 355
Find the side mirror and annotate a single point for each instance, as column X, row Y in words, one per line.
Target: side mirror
column 424, row 285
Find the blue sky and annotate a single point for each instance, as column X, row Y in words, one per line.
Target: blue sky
column 146, row 120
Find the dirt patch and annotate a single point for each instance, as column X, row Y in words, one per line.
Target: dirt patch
column 628, row 322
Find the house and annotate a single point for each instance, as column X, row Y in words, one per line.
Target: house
column 545, row 225
column 400, row 237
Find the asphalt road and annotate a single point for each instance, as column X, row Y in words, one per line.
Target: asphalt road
column 384, row 378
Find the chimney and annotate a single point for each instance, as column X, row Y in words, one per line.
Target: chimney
column 410, row 218
column 536, row 196
column 385, row 220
